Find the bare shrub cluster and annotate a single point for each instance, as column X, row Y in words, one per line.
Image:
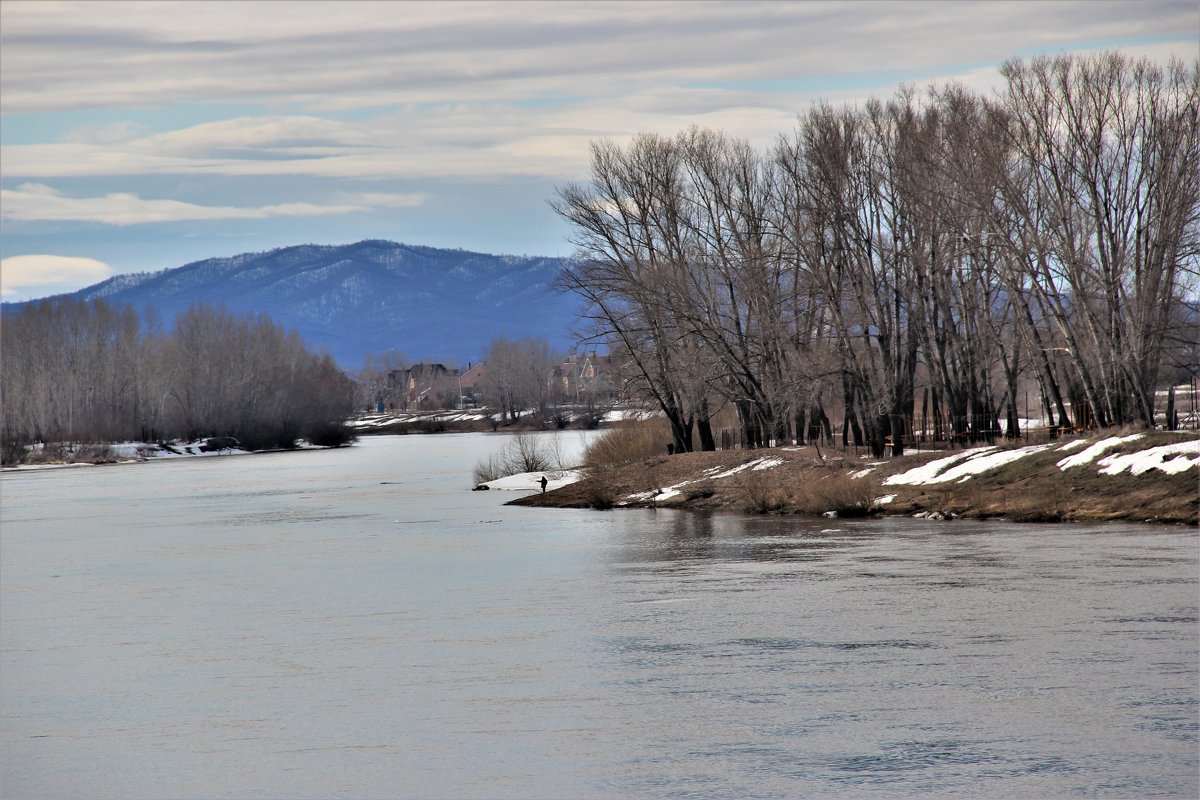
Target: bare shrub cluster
column 524, row 452
column 626, row 442
column 821, row 491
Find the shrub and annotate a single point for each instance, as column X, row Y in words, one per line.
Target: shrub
column 330, row 434
column 13, row 452
column 821, row 491
column 524, row 452
column 527, row 453
column 837, row 491
column 599, row 497
column 762, row 494
column 627, row 442
column 489, row 469
column 92, row 454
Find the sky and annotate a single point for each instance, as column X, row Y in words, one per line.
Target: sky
column 137, row 137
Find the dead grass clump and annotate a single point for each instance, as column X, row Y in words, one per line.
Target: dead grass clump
column 599, row 497
column 763, row 494
column 597, row 489
column 626, row 442
column 836, row 491
column 93, row 454
column 13, row 451
column 70, row 453
column 819, row 491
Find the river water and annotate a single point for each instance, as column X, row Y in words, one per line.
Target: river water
column 354, row 623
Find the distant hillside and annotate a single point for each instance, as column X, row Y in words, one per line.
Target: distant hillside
column 368, row 297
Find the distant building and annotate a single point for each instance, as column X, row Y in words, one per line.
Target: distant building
column 423, row 386
column 470, row 386
column 582, row 376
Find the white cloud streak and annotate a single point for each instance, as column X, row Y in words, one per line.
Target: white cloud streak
column 31, row 202
column 418, row 92
column 86, row 54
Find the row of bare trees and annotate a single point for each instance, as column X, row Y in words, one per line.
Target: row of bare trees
column 941, row 247
column 91, row 372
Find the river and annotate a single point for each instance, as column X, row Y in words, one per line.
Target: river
column 355, row 623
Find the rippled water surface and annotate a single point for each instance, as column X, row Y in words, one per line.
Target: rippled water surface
column 353, row 623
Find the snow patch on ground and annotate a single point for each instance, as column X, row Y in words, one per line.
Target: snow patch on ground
column 190, row 449
column 887, row 498
column 710, row 474
column 986, row 462
column 369, row 421
column 1073, row 445
column 926, row 473
column 1170, row 458
column 1092, row 453
column 962, row 466
column 531, row 481
column 623, row 414
column 144, row 451
column 862, row 473
column 739, row 468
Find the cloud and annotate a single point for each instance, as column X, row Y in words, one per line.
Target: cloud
column 40, row 275
column 383, row 199
column 88, row 55
column 169, row 112
column 106, row 133
column 34, row 202
column 492, row 90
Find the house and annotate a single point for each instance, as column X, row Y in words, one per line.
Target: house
column 470, row 386
column 583, row 376
column 423, row 386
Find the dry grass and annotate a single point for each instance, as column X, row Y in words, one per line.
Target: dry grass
column 67, row 453
column 1032, row 488
column 627, row 442
column 819, row 491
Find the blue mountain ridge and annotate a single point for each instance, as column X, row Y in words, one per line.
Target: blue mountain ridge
column 368, row 297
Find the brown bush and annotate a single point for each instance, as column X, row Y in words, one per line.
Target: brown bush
column 822, row 490
column 763, row 494
column 626, row 442
column 600, row 497
column 13, row 452
column 837, row 491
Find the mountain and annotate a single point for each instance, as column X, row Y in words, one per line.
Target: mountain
column 372, row 296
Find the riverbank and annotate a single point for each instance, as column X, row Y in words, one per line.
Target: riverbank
column 1136, row 476
column 89, row 454
column 484, row 420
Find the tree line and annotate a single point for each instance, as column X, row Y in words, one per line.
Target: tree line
column 935, row 248
column 90, row 372
column 524, row 380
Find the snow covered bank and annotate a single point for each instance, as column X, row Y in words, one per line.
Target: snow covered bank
column 1145, row 476
column 531, row 481
column 91, row 455
column 961, row 467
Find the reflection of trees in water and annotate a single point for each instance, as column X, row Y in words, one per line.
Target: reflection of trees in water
column 690, row 536
column 673, row 540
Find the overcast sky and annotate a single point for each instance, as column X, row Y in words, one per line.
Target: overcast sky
column 143, row 136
